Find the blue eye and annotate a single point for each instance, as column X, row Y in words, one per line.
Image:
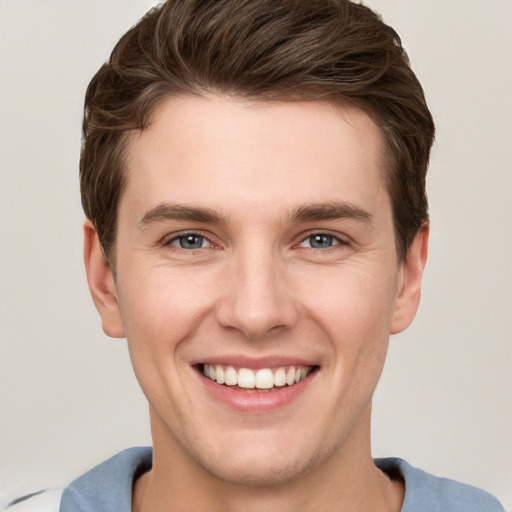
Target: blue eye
column 190, row 241
column 319, row 241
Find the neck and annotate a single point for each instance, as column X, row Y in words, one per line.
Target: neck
column 347, row 481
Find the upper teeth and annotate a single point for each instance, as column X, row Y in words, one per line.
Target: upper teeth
column 264, row 378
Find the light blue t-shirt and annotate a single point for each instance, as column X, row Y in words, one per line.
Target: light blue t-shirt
column 108, row 487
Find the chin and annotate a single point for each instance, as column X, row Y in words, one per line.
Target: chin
column 259, row 471
column 263, row 461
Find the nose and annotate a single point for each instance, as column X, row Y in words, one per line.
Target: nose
column 257, row 298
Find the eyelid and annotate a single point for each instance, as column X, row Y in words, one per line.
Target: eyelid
column 340, row 239
column 172, row 237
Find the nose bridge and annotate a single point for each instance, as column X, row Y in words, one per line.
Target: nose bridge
column 257, row 298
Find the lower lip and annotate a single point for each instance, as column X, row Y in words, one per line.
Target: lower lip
column 255, row 401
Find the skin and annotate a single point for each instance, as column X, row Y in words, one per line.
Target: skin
column 258, row 286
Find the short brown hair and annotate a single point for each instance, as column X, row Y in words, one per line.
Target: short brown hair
column 260, row 49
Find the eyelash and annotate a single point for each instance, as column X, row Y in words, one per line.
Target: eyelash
column 191, row 234
column 335, row 241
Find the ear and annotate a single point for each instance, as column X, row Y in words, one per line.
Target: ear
column 101, row 283
column 409, row 285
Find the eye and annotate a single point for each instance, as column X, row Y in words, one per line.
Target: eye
column 189, row 241
column 320, row 241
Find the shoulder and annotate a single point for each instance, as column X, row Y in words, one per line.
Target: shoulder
column 424, row 491
column 42, row 501
column 108, row 486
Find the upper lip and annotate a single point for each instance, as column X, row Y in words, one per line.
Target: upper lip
column 244, row 361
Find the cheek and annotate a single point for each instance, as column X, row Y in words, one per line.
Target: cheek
column 354, row 309
column 352, row 301
column 162, row 308
column 161, row 313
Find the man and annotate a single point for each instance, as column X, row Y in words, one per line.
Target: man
column 253, row 175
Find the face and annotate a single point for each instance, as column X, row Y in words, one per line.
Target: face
column 257, row 282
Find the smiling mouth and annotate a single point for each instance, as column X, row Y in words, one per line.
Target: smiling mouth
column 261, row 380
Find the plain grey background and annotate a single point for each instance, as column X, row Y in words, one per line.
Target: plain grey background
column 68, row 398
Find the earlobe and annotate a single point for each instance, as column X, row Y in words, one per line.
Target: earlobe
column 409, row 292
column 101, row 283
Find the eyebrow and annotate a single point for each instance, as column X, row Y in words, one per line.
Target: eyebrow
column 330, row 211
column 166, row 211
column 304, row 213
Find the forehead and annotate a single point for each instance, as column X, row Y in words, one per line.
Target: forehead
column 227, row 153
